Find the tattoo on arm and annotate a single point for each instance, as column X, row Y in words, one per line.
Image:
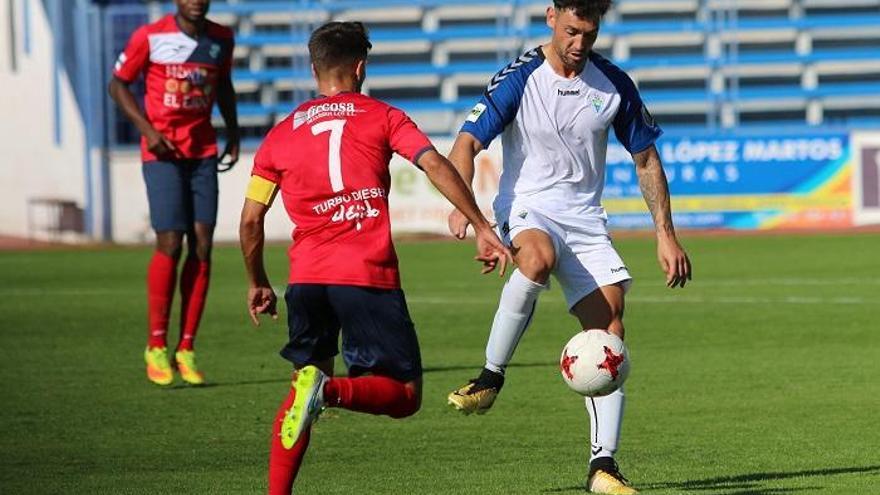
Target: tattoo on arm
column 655, row 188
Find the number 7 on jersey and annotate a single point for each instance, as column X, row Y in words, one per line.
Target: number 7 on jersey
column 334, row 156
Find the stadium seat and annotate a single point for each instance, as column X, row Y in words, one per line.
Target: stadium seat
column 772, row 61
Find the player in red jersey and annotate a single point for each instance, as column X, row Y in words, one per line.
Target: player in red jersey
column 330, row 161
column 186, row 62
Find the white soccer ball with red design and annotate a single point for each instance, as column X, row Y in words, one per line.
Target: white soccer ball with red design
column 594, row 363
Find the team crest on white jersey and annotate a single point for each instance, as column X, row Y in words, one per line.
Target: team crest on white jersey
column 598, row 102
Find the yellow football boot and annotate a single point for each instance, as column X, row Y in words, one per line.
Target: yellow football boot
column 605, row 478
column 186, row 365
column 478, row 395
column 473, row 399
column 158, row 366
column 307, row 404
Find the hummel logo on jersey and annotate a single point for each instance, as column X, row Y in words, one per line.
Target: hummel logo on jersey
column 523, row 214
column 619, row 269
column 568, row 92
column 512, row 67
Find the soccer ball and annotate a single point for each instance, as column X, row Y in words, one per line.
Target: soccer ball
column 594, row 363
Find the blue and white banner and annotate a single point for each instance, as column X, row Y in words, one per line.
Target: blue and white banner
column 741, row 182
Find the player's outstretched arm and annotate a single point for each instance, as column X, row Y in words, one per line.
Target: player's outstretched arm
column 464, row 150
column 490, row 250
column 655, row 189
column 121, row 93
column 261, row 298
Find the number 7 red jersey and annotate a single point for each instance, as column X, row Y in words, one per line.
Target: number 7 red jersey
column 329, row 159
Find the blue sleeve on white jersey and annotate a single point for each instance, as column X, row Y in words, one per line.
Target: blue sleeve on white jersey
column 634, row 125
column 500, row 103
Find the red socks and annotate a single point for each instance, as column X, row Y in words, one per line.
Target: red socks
column 372, row 395
column 193, row 292
column 284, row 464
column 161, row 274
column 368, row 394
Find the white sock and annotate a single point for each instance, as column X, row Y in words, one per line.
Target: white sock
column 515, row 309
column 606, row 416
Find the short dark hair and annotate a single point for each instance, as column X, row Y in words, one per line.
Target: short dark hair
column 585, row 9
column 338, row 43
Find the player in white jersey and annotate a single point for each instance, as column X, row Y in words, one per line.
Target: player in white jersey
column 553, row 107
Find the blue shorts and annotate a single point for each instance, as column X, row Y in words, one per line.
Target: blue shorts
column 378, row 335
column 181, row 192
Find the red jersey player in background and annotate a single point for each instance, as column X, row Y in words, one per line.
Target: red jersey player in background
column 186, row 62
column 330, row 161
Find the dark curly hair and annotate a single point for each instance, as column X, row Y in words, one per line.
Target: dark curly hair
column 585, row 9
column 338, row 43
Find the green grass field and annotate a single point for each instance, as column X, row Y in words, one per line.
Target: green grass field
column 762, row 377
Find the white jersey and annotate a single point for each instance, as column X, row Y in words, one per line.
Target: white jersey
column 555, row 134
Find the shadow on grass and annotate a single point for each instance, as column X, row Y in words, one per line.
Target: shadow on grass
column 185, row 386
column 769, row 491
column 750, row 484
column 565, row 489
column 477, row 367
column 430, row 369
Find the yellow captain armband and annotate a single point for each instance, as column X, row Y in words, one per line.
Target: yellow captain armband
column 261, row 190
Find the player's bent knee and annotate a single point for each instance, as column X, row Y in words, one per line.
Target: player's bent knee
column 411, row 403
column 536, row 268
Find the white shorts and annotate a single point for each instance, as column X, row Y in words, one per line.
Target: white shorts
column 585, row 259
